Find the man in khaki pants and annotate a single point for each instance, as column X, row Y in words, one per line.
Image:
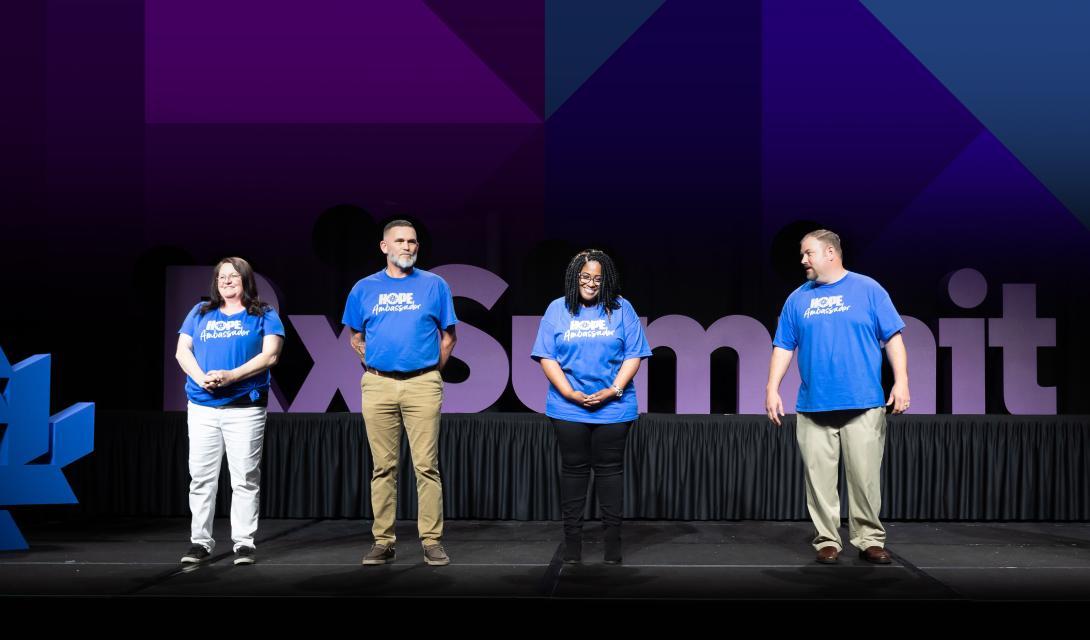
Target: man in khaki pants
column 838, row 321
column 402, row 319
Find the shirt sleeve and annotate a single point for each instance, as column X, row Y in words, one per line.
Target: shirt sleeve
column 786, row 334
column 447, row 318
column 635, row 342
column 887, row 322
column 545, row 343
column 353, row 316
column 271, row 324
column 189, row 325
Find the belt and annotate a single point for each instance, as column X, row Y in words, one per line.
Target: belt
column 403, row 375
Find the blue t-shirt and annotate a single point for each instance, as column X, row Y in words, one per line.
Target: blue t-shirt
column 590, row 348
column 222, row 341
column 400, row 318
column 838, row 329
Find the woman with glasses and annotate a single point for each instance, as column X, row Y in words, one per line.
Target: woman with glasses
column 590, row 343
column 225, row 347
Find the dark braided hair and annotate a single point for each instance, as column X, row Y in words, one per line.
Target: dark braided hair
column 609, row 290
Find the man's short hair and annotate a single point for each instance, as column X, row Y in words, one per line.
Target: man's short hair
column 396, row 223
column 827, row 237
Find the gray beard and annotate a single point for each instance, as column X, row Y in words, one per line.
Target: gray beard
column 405, row 262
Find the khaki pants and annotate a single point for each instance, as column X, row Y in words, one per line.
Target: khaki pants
column 862, row 437
column 387, row 404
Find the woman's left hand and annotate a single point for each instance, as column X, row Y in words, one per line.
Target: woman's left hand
column 208, row 382
column 222, row 378
column 601, row 397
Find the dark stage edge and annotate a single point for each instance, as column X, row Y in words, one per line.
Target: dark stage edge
column 739, row 562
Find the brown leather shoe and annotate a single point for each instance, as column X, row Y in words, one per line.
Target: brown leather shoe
column 877, row 555
column 827, row 555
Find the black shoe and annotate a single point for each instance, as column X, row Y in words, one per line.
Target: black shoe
column 573, row 550
column 197, row 553
column 244, row 555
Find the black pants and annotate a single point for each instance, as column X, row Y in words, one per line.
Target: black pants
column 584, row 447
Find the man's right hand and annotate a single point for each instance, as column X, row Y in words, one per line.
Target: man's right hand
column 774, row 407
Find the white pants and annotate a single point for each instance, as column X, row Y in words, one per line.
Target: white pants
column 241, row 431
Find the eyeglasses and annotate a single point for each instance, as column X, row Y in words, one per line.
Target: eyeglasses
column 229, row 277
column 586, row 278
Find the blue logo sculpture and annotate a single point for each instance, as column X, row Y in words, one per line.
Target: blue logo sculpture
column 35, row 446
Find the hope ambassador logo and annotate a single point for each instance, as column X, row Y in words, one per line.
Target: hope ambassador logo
column 218, row 329
column 826, row 305
column 587, row 329
column 395, row 302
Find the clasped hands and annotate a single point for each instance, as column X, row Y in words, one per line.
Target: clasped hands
column 217, row 378
column 593, row 400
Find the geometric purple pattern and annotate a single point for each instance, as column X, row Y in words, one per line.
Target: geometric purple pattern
column 983, row 203
column 854, row 126
column 508, row 36
column 325, row 61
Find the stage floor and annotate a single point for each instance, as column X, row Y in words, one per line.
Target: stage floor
column 739, row 561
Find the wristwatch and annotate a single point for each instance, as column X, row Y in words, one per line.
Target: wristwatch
column 620, row 391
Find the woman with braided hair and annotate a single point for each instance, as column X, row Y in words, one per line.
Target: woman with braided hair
column 590, row 343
